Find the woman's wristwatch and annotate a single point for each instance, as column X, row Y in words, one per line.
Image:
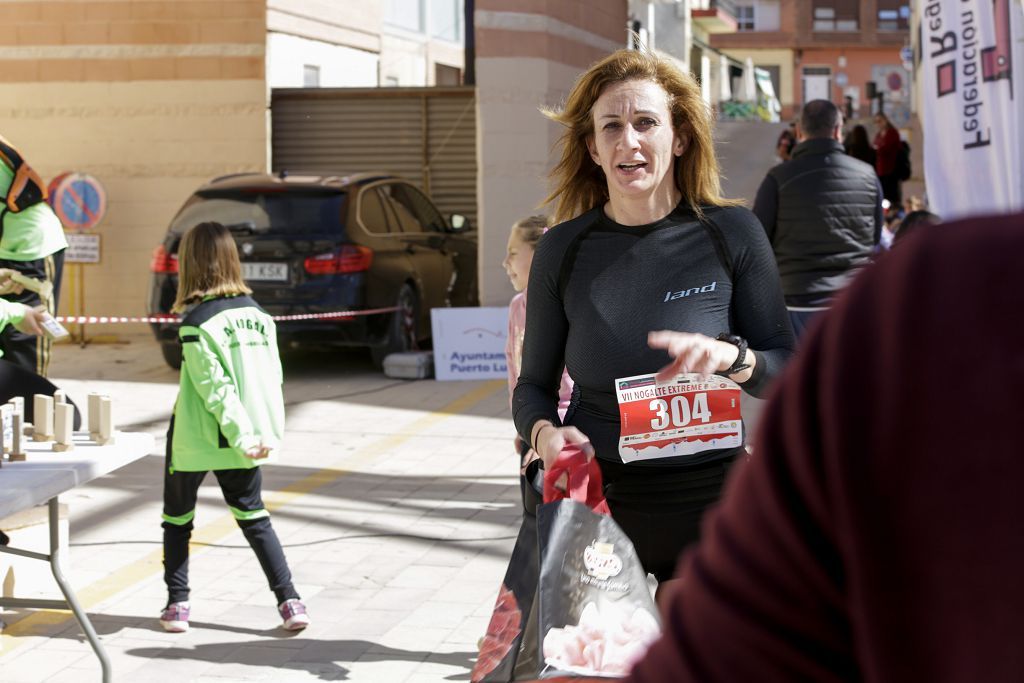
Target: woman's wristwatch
column 740, row 343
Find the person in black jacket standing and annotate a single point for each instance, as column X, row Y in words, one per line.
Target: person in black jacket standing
column 822, row 211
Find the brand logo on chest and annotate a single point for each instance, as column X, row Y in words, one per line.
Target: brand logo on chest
column 682, row 293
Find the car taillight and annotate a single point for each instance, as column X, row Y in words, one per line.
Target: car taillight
column 162, row 262
column 349, row 259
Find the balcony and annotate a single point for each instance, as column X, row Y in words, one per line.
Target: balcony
column 714, row 16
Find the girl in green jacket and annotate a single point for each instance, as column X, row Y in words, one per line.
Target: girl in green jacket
column 229, row 416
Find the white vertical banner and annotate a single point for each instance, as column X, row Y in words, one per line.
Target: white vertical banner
column 972, row 105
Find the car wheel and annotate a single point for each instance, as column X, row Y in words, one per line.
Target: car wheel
column 172, row 355
column 401, row 328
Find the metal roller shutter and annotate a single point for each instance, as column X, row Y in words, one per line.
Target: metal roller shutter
column 427, row 135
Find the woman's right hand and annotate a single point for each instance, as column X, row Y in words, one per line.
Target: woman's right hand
column 550, row 440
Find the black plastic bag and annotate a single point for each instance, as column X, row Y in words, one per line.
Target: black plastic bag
column 595, row 613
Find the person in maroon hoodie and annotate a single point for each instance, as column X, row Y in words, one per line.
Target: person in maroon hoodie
column 877, row 532
column 887, row 148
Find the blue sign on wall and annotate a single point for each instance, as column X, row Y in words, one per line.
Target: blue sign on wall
column 79, row 201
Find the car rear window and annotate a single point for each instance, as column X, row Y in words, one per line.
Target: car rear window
column 293, row 212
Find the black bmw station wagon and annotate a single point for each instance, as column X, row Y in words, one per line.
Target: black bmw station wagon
column 324, row 244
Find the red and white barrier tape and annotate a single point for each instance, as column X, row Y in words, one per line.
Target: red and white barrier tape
column 111, row 319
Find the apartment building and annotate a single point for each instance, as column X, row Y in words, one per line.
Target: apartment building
column 827, row 49
column 683, row 29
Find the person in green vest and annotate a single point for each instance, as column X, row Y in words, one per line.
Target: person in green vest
column 228, row 417
column 32, row 243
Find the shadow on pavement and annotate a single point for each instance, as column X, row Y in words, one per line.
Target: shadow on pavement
column 316, row 374
column 327, row 655
column 319, row 657
column 490, row 500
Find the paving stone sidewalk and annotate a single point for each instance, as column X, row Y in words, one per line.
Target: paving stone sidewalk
column 397, row 503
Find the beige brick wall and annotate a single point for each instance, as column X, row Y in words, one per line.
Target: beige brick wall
column 150, row 144
column 529, row 54
column 153, row 97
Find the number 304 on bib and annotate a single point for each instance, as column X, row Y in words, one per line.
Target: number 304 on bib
column 684, row 416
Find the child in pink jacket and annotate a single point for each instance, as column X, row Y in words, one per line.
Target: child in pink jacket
column 518, row 257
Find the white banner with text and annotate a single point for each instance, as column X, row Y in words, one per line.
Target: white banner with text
column 972, row 105
column 469, row 343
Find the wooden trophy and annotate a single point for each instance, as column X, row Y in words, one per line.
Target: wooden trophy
column 7, row 428
column 19, row 405
column 17, row 443
column 106, row 422
column 63, row 423
column 94, row 415
column 42, row 417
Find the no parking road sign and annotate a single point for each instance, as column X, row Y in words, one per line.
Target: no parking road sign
column 79, row 200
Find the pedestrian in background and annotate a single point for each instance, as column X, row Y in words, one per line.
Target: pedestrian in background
column 887, row 148
column 838, row 553
column 229, row 415
column 822, row 212
column 649, row 257
column 785, row 144
column 32, row 243
column 858, row 145
column 914, row 221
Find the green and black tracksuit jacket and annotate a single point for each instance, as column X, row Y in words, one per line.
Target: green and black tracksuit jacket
column 230, row 397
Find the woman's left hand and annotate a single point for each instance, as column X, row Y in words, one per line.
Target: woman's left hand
column 691, row 352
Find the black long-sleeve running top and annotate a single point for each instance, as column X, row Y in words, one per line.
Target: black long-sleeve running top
column 597, row 288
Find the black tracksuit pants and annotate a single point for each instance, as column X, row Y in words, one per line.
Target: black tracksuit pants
column 242, row 492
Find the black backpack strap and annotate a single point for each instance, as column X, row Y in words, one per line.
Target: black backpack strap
column 569, row 260
column 724, row 257
column 718, row 241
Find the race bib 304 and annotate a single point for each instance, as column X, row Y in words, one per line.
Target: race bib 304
column 682, row 416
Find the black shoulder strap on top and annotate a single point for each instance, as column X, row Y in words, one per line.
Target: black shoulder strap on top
column 569, row 260
column 725, row 258
column 721, row 248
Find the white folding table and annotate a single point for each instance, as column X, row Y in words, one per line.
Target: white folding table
column 41, row 479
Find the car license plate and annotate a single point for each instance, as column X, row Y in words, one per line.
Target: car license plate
column 275, row 272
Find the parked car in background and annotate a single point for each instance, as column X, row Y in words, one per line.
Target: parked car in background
column 323, row 244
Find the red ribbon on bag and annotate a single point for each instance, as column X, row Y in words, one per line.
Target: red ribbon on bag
column 583, row 476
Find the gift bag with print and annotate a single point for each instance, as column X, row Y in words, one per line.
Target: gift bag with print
column 596, row 616
column 501, row 650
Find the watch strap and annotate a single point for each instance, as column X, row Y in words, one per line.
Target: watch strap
column 741, row 344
